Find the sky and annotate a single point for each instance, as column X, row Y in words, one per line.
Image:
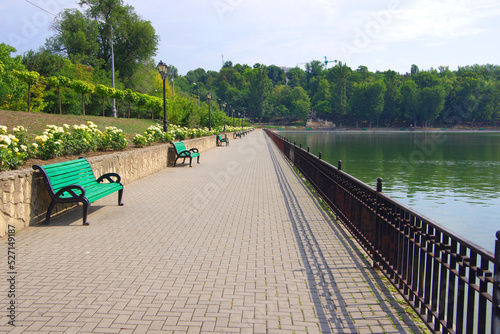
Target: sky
column 378, row 34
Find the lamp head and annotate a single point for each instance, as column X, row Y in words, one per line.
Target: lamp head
column 162, row 69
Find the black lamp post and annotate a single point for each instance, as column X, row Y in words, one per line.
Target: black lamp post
column 199, row 102
column 209, row 97
column 162, row 68
column 224, row 108
column 233, row 118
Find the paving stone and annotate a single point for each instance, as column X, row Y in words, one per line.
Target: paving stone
column 236, row 244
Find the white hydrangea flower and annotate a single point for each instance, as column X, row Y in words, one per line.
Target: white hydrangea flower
column 5, row 139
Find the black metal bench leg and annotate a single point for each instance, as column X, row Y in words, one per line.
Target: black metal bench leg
column 49, row 210
column 198, row 160
column 85, row 211
column 120, row 196
column 190, row 161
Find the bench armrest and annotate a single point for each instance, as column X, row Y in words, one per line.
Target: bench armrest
column 194, row 150
column 71, row 190
column 183, row 154
column 109, row 176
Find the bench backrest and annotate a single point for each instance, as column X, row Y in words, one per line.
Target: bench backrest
column 179, row 146
column 69, row 172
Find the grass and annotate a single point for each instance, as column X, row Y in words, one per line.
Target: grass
column 36, row 123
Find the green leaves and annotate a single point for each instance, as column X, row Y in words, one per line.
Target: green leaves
column 104, row 91
column 59, row 81
column 29, row 77
column 82, row 87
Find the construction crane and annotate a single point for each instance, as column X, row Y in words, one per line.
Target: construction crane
column 326, row 62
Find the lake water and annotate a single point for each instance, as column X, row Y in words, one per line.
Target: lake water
column 451, row 178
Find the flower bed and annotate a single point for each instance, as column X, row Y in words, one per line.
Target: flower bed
column 57, row 141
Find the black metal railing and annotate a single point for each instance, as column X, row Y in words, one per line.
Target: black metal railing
column 452, row 283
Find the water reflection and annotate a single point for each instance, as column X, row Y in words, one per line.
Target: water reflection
column 451, row 178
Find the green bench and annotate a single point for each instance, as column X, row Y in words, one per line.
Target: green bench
column 74, row 181
column 238, row 134
column 221, row 140
column 182, row 152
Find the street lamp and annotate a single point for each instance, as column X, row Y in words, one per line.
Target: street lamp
column 113, row 108
column 233, row 117
column 209, row 97
column 173, row 86
column 163, row 68
column 196, row 84
column 224, row 108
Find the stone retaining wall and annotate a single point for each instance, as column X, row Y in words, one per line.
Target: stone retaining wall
column 24, row 198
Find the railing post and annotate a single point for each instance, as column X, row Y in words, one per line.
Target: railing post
column 319, row 156
column 300, row 145
column 339, row 165
column 307, row 149
column 377, row 226
column 495, row 317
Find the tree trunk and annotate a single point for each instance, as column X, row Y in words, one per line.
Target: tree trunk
column 29, row 98
column 59, row 94
column 83, row 104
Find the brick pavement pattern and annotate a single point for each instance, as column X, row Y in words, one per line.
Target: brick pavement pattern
column 236, row 244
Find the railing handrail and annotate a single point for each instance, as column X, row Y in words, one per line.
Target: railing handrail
column 430, row 264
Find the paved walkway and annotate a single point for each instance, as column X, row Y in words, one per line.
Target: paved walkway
column 237, row 244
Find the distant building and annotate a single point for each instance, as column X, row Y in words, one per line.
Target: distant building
column 285, row 68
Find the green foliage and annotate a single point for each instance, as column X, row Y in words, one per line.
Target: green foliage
column 114, row 139
column 14, row 148
column 410, row 100
column 259, row 91
column 83, row 88
column 51, row 143
column 30, row 78
column 86, row 36
column 58, row 141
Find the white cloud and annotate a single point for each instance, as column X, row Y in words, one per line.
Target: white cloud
column 441, row 19
column 385, row 33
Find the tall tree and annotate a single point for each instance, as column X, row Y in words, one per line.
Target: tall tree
column 259, row 91
column 88, row 35
column 431, row 103
column 276, row 74
column 410, row 100
column 296, row 77
column 59, row 82
column 301, row 104
column 83, row 88
column 321, row 100
column 12, row 89
column 392, row 98
column 30, row 78
column 339, row 76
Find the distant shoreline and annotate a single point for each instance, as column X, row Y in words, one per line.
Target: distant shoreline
column 373, row 130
